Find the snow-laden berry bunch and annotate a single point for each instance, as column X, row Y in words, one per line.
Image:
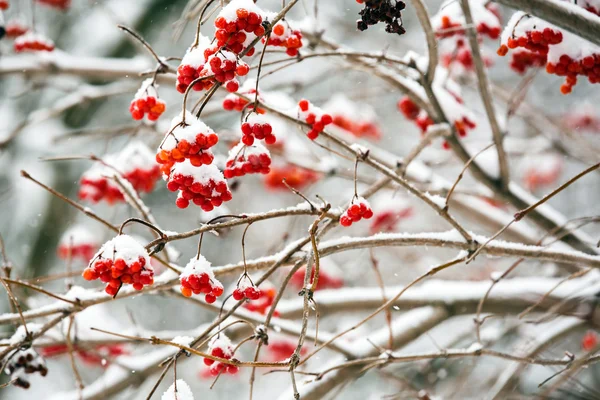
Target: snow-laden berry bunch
column 450, row 20
column 245, row 160
column 238, row 24
column 220, row 346
column 257, row 127
column 264, row 301
column 329, row 277
column 314, row 116
column 135, row 163
column 245, row 289
column 198, row 277
column 25, row 362
column 389, row 212
column 121, row 261
column 205, row 186
column 189, row 140
column 285, row 35
column 77, row 242
column 233, row 102
column 225, row 67
column 358, row 119
column 296, row 177
column 146, row 102
column 387, row 11
column 358, row 209
column 33, row 42
column 15, row 27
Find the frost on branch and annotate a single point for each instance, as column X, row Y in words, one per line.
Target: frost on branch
column 178, row 391
column 198, row 277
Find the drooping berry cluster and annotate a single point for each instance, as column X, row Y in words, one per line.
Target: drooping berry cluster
column 198, row 277
column 388, row 11
column 146, row 102
column 121, row 261
column 314, row 116
column 246, row 289
column 284, row 35
column 225, row 66
column 296, row 177
column 205, row 186
column 135, row 163
column 32, row 41
column 359, row 208
column 522, row 60
column 450, row 20
column 77, row 242
column 220, row 346
column 264, row 301
column 59, row 4
column 359, row 120
column 25, row 362
column 189, row 140
column 238, row 24
column 15, row 28
column 245, row 160
column 257, row 127
column 327, row 280
column 389, row 211
column 236, row 103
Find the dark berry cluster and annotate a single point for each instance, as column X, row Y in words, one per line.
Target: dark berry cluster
column 387, row 11
column 25, row 362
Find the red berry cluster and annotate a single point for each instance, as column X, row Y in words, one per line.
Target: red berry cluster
column 570, row 68
column 447, row 28
column 146, row 102
column 97, row 357
column 190, row 141
column 537, row 41
column 77, row 242
column 541, row 171
column 583, row 118
column 256, row 127
column 198, row 277
column 192, row 68
column 244, row 160
column 25, row 361
column 313, row 116
column 121, row 261
column 238, row 24
column 264, row 301
column 4, row 4
column 225, row 66
column 589, row 341
column 135, row 164
column 31, row 41
column 296, row 177
column 358, row 129
column 15, row 28
column 522, row 60
column 60, row 4
column 359, row 120
column 248, row 89
column 326, row 280
column 281, row 348
column 205, row 186
column 283, row 35
column 386, row 220
column 246, row 289
column 220, row 346
column 358, row 209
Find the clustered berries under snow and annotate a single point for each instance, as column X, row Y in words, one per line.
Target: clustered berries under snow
column 146, row 102
column 314, row 116
column 198, row 277
column 15, row 27
column 205, row 186
column 77, row 242
column 257, row 127
column 186, row 141
column 358, row 119
column 564, row 53
column 264, row 301
column 220, row 346
column 32, row 41
column 238, row 24
column 244, row 160
column 246, row 289
column 248, row 89
column 135, row 163
column 296, row 177
column 450, row 20
column 22, row 363
column 359, row 208
column 121, row 261
column 388, row 212
column 179, row 390
column 284, row 35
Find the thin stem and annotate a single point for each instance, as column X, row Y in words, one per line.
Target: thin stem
column 462, row 172
column 140, row 39
column 262, row 56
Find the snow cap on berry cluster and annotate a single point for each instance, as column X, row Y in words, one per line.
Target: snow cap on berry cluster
column 126, row 248
column 179, row 390
column 452, row 10
column 136, row 155
column 194, row 56
column 520, row 23
column 202, row 174
column 196, row 267
column 193, row 126
column 77, row 235
column 229, row 12
column 222, row 342
column 148, row 88
column 24, row 41
column 241, row 149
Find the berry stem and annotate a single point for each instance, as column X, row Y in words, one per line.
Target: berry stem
column 244, row 251
column 145, row 223
column 211, row 222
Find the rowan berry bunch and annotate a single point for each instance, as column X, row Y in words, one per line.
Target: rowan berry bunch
column 529, row 33
column 450, row 20
column 387, row 11
column 327, row 280
column 220, row 346
column 296, row 177
column 264, row 301
column 245, row 160
column 192, row 67
column 522, row 60
column 314, row 116
column 233, row 102
column 282, row 348
column 59, row 4
column 146, row 102
column 135, row 163
column 225, row 66
column 25, row 362
column 238, row 24
column 186, row 140
column 77, row 242
column 121, row 261
column 33, row 42
column 198, row 277
column 4, row 4
column 359, row 208
column 387, row 220
column 245, row 289
column 360, row 120
column 15, row 28
column 257, row 127
column 205, row 186
column 592, row 6
column 284, row 35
